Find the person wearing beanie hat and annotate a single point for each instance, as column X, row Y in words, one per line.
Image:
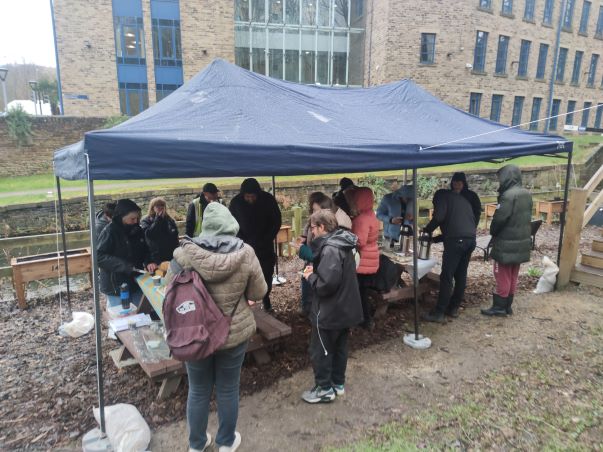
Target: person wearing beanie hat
column 345, row 183
column 232, row 274
column 194, row 215
column 259, row 218
column 459, row 184
column 122, row 249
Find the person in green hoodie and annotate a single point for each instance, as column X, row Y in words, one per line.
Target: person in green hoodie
column 511, row 238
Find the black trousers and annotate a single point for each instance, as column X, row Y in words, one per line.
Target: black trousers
column 364, row 282
column 267, row 264
column 457, row 253
column 329, row 369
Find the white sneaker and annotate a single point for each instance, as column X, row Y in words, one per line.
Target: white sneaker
column 235, row 444
column 207, row 444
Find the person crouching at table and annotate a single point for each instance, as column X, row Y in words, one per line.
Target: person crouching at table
column 232, row 275
column 336, row 305
column 160, row 231
column 122, row 249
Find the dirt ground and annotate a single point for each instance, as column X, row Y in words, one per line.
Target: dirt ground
column 49, row 383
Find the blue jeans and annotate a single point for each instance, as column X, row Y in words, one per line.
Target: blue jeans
column 114, row 300
column 222, row 369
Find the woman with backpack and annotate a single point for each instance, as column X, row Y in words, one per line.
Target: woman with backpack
column 232, row 275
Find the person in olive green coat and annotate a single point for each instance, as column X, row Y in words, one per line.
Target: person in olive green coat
column 511, row 238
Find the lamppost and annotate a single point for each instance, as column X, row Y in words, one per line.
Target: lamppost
column 37, row 98
column 3, row 72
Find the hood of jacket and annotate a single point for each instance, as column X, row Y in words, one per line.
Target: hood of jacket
column 251, row 185
column 218, row 221
column 339, row 238
column 509, row 176
column 123, row 208
column 462, row 177
column 363, row 199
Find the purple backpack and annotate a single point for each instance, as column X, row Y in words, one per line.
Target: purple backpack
column 194, row 325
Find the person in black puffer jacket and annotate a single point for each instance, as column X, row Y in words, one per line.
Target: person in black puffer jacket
column 160, row 231
column 511, row 238
column 121, row 249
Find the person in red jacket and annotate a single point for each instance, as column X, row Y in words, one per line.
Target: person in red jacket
column 366, row 227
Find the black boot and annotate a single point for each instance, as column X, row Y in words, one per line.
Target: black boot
column 499, row 306
column 509, row 303
column 434, row 316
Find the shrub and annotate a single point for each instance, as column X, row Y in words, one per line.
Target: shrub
column 377, row 184
column 19, row 125
column 427, row 186
column 113, row 121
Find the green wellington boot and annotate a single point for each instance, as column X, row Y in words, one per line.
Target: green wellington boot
column 499, row 307
column 509, row 303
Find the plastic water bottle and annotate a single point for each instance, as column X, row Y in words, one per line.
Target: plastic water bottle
column 124, row 295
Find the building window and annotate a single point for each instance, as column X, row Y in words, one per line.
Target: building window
column 547, row 17
column 507, row 8
column 133, row 98
column 163, row 90
column 528, row 13
column 599, row 116
column 592, row 70
column 560, row 75
column 524, row 57
column 571, row 107
column 479, row 55
column 501, row 55
column 496, row 107
column 517, row 110
column 555, row 109
column 568, row 15
column 485, row 4
column 599, row 29
column 428, row 48
column 475, row 102
column 542, row 55
column 584, row 18
column 167, row 47
column 586, row 114
column 536, row 104
column 577, row 66
column 129, row 40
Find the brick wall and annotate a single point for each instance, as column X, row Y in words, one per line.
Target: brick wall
column 49, row 134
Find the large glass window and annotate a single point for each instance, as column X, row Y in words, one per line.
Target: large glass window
column 258, row 49
column 555, row 109
column 528, row 13
column 427, row 48
column 560, row 75
column 586, row 114
column 524, row 58
column 292, row 12
column 496, row 107
column 568, row 14
column 163, row 90
column 475, row 103
column 599, row 29
column 577, row 67
column 547, row 17
column 571, row 107
column 517, row 110
column 275, row 11
column 133, row 98
column 507, row 7
column 542, row 56
column 584, row 18
column 501, row 55
column 129, row 40
column 599, row 116
column 479, row 54
column 167, row 47
column 258, row 10
column 485, row 4
column 275, row 53
column 536, row 104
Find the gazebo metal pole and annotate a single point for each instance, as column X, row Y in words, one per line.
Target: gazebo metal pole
column 276, row 239
column 565, row 194
column 96, row 295
column 66, row 260
column 415, row 261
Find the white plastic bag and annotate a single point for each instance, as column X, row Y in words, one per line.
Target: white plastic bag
column 546, row 283
column 81, row 324
column 125, row 427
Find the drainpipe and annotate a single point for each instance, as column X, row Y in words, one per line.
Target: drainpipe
column 56, row 57
column 555, row 62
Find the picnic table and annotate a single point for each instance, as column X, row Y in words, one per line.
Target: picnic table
column 168, row 371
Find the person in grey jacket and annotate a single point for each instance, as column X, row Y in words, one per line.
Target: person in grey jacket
column 103, row 217
column 232, row 275
column 336, row 305
column 511, row 238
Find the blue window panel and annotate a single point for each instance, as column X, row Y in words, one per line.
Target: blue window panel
column 167, row 42
column 585, row 114
column 163, row 90
column 555, row 109
column 547, row 17
column 599, row 116
column 507, row 7
column 577, row 67
column 528, row 13
column 561, row 64
column 162, row 9
column 517, row 110
column 501, row 55
column 592, row 70
column 568, row 15
column 536, row 104
column 485, row 4
column 584, row 18
column 571, row 107
column 129, row 40
column 524, row 57
column 475, row 102
column 131, row 8
column 599, row 29
column 133, row 98
column 168, row 75
column 542, row 56
column 496, row 107
column 427, row 48
column 479, row 55
column 131, row 74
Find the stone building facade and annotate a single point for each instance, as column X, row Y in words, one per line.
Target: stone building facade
column 493, row 58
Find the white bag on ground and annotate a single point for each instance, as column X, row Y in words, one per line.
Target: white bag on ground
column 546, row 283
column 125, row 427
column 81, row 324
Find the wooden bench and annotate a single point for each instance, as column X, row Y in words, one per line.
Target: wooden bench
column 45, row 266
column 283, row 238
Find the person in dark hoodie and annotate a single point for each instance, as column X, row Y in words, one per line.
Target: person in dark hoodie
column 103, row 217
column 336, row 305
column 457, row 212
column 194, row 215
column 121, row 249
column 339, row 197
column 160, row 231
column 511, row 238
column 259, row 218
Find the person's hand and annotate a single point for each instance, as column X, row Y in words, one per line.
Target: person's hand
column 308, row 271
column 397, row 220
column 152, row 267
column 250, row 303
